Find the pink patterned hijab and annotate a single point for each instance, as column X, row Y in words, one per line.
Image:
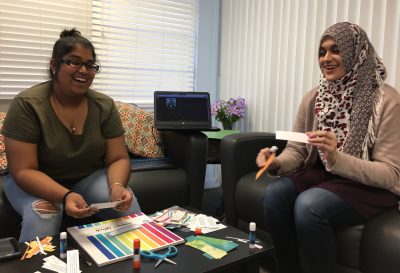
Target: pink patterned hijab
column 350, row 107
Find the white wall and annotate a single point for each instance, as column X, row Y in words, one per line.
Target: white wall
column 269, row 51
column 207, row 66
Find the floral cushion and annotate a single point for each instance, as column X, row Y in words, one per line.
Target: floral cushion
column 141, row 138
column 3, row 159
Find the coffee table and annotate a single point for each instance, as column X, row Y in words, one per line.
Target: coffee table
column 189, row 260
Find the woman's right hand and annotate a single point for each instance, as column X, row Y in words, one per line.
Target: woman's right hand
column 263, row 156
column 76, row 206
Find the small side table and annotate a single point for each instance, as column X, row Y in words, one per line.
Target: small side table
column 214, row 141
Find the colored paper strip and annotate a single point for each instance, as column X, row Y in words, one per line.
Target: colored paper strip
column 100, row 247
column 109, row 245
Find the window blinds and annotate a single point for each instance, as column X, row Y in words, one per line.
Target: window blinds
column 28, row 30
column 142, row 46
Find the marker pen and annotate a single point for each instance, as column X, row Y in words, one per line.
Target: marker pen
column 136, row 253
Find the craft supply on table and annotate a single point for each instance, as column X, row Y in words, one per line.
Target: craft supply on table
column 245, row 241
column 63, row 245
column 198, row 231
column 206, row 223
column 41, row 250
column 252, row 235
column 177, row 217
column 136, row 253
column 53, row 263
column 104, row 249
column 171, row 252
column 173, row 216
column 73, row 261
column 33, row 247
column 213, row 248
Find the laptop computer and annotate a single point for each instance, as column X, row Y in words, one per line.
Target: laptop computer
column 175, row 110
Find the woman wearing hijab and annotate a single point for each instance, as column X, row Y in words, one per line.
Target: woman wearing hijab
column 350, row 169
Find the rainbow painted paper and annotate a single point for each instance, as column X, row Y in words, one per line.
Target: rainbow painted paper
column 104, row 248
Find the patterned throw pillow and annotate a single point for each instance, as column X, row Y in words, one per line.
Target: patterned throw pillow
column 3, row 159
column 141, row 138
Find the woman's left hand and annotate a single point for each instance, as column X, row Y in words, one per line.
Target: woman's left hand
column 326, row 142
column 120, row 193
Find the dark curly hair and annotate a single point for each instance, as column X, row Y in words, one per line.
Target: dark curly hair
column 65, row 44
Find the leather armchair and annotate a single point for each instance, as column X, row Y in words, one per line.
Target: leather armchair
column 156, row 188
column 370, row 248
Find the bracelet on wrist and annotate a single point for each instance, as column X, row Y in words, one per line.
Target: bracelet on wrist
column 65, row 197
column 111, row 185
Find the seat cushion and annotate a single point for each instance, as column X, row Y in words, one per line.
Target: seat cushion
column 249, row 198
column 141, row 138
column 381, row 243
column 348, row 241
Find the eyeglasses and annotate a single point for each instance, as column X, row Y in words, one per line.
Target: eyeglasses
column 78, row 64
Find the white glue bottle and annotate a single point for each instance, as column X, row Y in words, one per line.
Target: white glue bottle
column 63, row 245
column 252, row 235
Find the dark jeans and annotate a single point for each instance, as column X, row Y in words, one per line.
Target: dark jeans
column 301, row 226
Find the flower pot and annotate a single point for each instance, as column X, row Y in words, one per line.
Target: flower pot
column 227, row 125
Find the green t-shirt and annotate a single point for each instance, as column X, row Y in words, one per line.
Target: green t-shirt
column 61, row 155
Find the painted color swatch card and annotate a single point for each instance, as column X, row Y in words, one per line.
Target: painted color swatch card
column 98, row 241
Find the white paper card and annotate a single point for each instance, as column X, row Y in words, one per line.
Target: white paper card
column 105, row 205
column 292, row 136
column 124, row 229
column 54, row 264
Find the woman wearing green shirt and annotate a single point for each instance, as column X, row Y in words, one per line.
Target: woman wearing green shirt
column 65, row 145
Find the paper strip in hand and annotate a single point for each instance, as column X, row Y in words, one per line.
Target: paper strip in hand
column 105, row 205
column 292, row 136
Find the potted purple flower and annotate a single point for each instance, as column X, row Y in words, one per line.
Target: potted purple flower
column 229, row 111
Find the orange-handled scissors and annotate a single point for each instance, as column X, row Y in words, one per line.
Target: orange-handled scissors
column 271, row 158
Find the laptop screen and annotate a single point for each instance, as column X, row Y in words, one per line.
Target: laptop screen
column 182, row 110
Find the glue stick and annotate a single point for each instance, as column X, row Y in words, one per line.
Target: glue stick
column 63, row 245
column 252, row 235
column 136, row 254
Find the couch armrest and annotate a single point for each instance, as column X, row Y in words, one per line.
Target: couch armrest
column 188, row 150
column 238, row 155
column 380, row 243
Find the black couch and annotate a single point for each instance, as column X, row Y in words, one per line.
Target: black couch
column 370, row 248
column 179, row 183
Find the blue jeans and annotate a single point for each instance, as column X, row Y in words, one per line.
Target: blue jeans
column 93, row 188
column 301, row 226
